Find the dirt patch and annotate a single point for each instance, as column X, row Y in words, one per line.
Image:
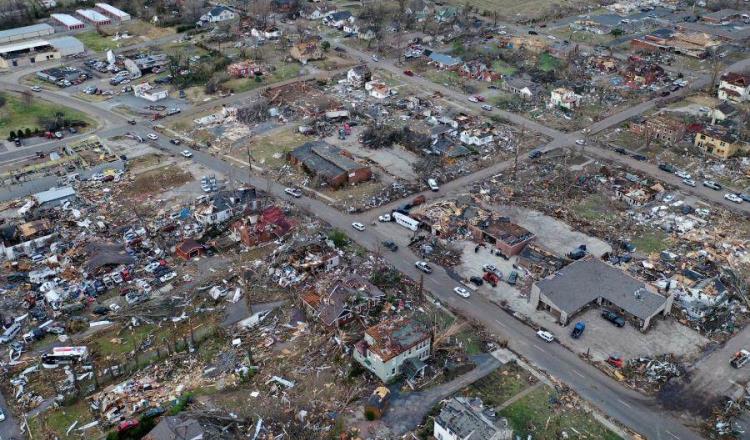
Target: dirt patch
column 158, row 180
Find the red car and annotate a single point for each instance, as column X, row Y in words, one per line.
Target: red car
column 480, row 98
column 127, row 424
column 408, row 73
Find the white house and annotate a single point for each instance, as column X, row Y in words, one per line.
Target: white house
column 466, row 419
column 564, row 98
column 149, row 92
column 388, row 346
column 377, row 89
column 475, row 137
column 338, row 19
column 218, row 14
column 734, row 87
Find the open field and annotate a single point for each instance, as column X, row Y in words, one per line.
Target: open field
column 16, row 114
column 528, row 10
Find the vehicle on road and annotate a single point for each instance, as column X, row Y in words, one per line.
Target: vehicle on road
column 740, row 359
column 152, row 136
column 682, row 174
column 512, row 278
column 545, row 336
column 667, row 168
column 477, row 281
column 131, row 121
column 689, row 182
column 578, row 330
column 423, row 266
column 744, row 196
column 408, row 73
column 358, row 226
column 620, row 150
column 432, row 183
column 187, row 153
column 388, row 244
column 385, row 218
column 711, row 184
column 580, row 142
column 733, row 197
column 487, row 107
column 639, row 157
column 175, row 141
column 614, row 318
column 375, row 58
column 36, row 89
column 294, row 192
column 460, row 291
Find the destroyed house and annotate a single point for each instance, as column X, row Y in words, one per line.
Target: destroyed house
column 719, row 141
column 306, row 51
column 641, row 72
column 271, row 224
column 342, row 302
column 313, row 257
column 539, row 261
column 26, row 238
column 734, row 87
column 467, row 419
column 509, row 238
column 357, row 76
column 331, row 165
column 225, row 204
column 388, row 345
column 189, row 249
column 177, row 428
column 660, row 127
column 447, row 149
column 590, row 281
column 102, row 257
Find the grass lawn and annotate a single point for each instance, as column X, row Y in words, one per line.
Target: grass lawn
column 516, row 10
column 283, row 72
column 57, row 420
column 503, row 68
column 269, row 151
column 500, row 385
column 93, row 41
column 112, row 344
column 15, row 114
column 596, row 207
column 538, row 414
column 651, row 242
column 547, row 62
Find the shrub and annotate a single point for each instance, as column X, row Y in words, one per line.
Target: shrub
column 11, row 135
column 338, row 238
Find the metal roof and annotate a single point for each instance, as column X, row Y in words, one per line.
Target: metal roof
column 22, row 32
column 67, row 19
column 112, row 10
column 23, row 45
column 53, row 194
column 92, row 15
column 67, row 43
column 584, row 281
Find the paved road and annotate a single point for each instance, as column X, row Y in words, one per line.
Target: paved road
column 628, row 407
column 9, row 429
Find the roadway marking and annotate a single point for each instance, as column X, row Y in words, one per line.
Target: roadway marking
column 538, row 347
column 624, row 403
column 501, row 323
column 577, row 373
column 672, row 435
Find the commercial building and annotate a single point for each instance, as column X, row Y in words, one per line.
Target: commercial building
column 509, row 238
column 331, row 165
column 734, row 87
column 111, row 11
column 68, row 21
column 468, row 419
column 27, row 52
column 94, row 17
column 149, row 92
column 68, row 46
column 25, row 33
column 389, row 346
column 590, row 281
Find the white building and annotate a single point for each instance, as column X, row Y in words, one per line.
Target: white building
column 94, row 17
column 377, row 89
column 467, row 419
column 388, row 346
column 68, row 21
column 564, row 98
column 149, row 92
column 218, row 14
column 27, row 52
column 113, row 12
column 476, row 137
column 734, row 87
column 26, row 32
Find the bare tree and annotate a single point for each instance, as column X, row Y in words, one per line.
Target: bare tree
column 191, row 10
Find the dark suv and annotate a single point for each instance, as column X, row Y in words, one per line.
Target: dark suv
column 614, row 318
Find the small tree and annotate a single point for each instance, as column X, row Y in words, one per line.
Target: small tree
column 325, row 45
column 11, row 135
column 28, row 132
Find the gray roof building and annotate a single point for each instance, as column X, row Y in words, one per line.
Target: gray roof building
column 26, row 32
column 463, row 418
column 590, row 280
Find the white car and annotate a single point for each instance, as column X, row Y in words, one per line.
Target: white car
column 460, row 291
column 545, row 335
column 473, row 99
column 187, row 153
column 384, row 218
column 358, row 226
column 682, row 174
column 167, row 276
column 733, row 198
column 2, row 415
column 152, row 266
column 689, row 182
column 36, row 89
column 668, row 198
column 489, row 268
column 152, row 136
column 580, row 142
column 375, row 58
column 423, row 266
column 294, row 192
column 487, row 107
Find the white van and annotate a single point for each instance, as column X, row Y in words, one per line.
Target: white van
column 432, row 183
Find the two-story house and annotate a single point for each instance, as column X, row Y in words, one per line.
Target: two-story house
column 564, row 98
column 734, row 87
column 393, row 343
column 218, row 14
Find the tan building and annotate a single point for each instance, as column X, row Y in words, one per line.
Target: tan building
column 25, row 53
column 719, row 141
column 307, row 51
column 660, row 127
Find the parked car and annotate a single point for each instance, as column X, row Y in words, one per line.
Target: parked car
column 512, row 278
column 580, row 142
column 408, row 73
column 639, row 157
column 294, row 192
column 744, row 196
column 545, row 336
column 385, row 218
column 2, row 415
column 127, row 424
column 733, row 197
column 36, row 89
column 689, row 182
column 432, row 183
column 682, row 174
column 667, row 168
column 487, row 107
column 460, row 291
column 578, row 330
column 358, row 226
column 711, row 184
column 423, row 266
column 152, row 136
column 740, row 359
column 186, row 153
column 620, row 150
column 614, row 318
column 174, row 141
column 388, row 244
column 477, row 281
column 131, row 121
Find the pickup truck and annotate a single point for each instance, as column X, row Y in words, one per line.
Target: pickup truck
column 614, row 318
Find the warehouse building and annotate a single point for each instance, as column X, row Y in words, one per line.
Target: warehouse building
column 67, row 46
column 113, row 12
column 93, row 17
column 27, row 52
column 25, row 33
column 68, row 21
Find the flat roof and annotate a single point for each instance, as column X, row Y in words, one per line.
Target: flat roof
column 54, row 194
column 92, row 14
column 66, row 42
column 21, row 31
column 23, row 45
column 112, row 10
column 584, row 281
column 67, row 19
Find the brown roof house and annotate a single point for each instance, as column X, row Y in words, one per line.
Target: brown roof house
column 331, row 165
column 509, row 238
column 307, row 51
column 189, row 249
column 338, row 304
column 270, row 224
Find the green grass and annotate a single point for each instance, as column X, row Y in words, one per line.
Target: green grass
column 264, row 148
column 500, row 385
column 547, row 62
column 93, row 41
column 649, row 242
column 15, row 114
column 595, row 208
column 503, row 68
column 539, row 415
column 282, row 73
column 130, row 340
column 57, row 420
